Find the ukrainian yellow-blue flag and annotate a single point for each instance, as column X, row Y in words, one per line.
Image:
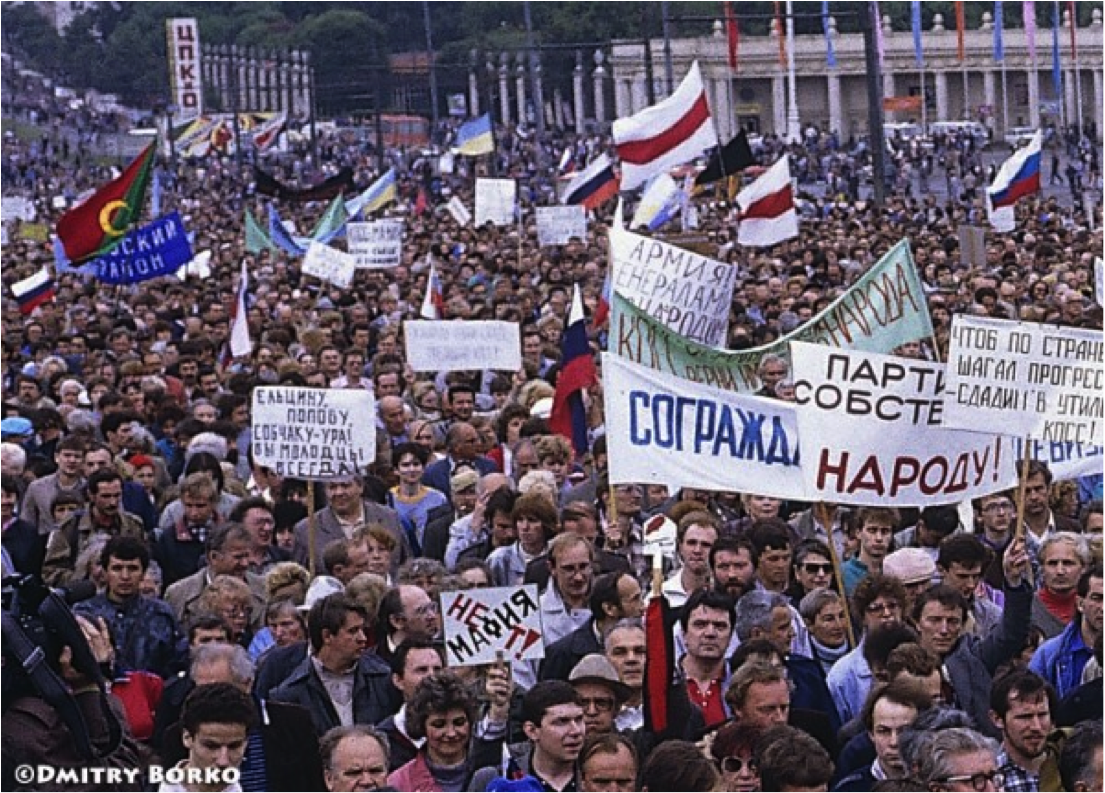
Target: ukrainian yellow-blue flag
column 474, row 137
column 379, row 193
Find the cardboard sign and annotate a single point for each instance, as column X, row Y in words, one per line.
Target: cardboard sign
column 972, row 246
column 463, row 345
column 1026, row 379
column 495, row 199
column 871, row 433
column 882, row 310
column 481, row 623
column 376, row 245
column 459, row 211
column 313, row 433
column 35, row 232
column 330, row 265
column 558, row 225
column 663, row 430
column 17, row 208
column 686, row 292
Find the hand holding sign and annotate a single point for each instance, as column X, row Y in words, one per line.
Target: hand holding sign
column 499, row 687
column 1015, row 562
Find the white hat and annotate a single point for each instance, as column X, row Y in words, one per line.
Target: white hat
column 323, row 586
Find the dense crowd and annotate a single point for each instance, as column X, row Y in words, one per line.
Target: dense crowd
column 817, row 647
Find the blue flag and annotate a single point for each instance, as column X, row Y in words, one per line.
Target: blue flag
column 915, row 19
column 280, row 236
column 1056, row 66
column 999, row 25
column 830, row 54
column 160, row 248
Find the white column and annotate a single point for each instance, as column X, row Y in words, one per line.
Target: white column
column 599, row 79
column 941, row 95
column 1098, row 99
column 836, row 118
column 639, row 93
column 623, row 101
column 889, row 88
column 504, row 94
column 1033, row 96
column 520, row 93
column 990, row 95
column 722, row 111
column 577, row 97
column 473, row 93
column 779, row 104
column 1071, row 99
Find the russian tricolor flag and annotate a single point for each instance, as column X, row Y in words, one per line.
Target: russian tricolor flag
column 1019, row 176
column 577, row 374
column 594, row 185
column 30, row 293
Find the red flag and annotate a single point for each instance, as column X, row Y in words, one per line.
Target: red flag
column 659, row 663
column 98, row 223
column 732, row 33
column 960, row 27
column 781, row 33
column 422, row 203
column 1073, row 11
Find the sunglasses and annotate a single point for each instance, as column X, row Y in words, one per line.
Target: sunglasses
column 734, row 765
column 813, row 568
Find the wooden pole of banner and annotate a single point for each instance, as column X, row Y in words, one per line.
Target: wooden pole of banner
column 823, row 511
column 612, row 509
column 312, row 551
column 1022, row 486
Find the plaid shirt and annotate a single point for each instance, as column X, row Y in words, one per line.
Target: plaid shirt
column 1016, row 778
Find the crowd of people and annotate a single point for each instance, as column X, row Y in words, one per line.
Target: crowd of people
column 817, row 647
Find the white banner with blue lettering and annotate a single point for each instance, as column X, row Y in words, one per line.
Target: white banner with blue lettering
column 662, row 429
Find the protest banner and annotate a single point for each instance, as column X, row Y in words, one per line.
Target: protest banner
column 663, row 430
column 558, row 225
column 154, row 250
column 482, row 624
column 15, row 207
column 462, row 345
column 1065, row 459
column 35, row 232
column 375, row 245
column 871, row 433
column 459, row 211
column 882, row 310
column 312, row 433
column 330, row 265
column 687, row 292
column 1026, row 379
column 495, row 201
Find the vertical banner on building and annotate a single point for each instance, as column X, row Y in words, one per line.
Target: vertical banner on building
column 185, row 78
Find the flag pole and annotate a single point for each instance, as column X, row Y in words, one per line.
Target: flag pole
column 823, row 510
column 1022, row 487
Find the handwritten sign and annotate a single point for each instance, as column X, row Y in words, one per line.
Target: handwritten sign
column 463, row 345
column 558, row 225
column 1027, row 379
column 871, row 433
column 481, row 623
column 685, row 291
column 330, row 264
column 313, row 433
column 882, row 310
column 495, row 200
column 376, row 245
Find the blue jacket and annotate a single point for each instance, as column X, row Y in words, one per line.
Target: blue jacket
column 1060, row 660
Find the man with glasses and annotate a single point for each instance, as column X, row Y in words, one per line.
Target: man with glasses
column 878, row 601
column 968, row 662
column 959, row 758
column 601, row 693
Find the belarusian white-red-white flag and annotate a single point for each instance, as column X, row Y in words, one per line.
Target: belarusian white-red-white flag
column 669, row 133
column 767, row 213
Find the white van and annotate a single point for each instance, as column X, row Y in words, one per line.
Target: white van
column 973, row 128
column 903, row 130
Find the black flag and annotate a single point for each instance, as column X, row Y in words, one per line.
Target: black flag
column 733, row 158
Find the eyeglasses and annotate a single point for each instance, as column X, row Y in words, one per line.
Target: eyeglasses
column 980, row 780
column 813, row 568
column 734, row 765
column 601, row 704
column 999, row 506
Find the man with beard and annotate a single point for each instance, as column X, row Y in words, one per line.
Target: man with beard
column 732, row 567
column 1021, row 706
column 1062, row 660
